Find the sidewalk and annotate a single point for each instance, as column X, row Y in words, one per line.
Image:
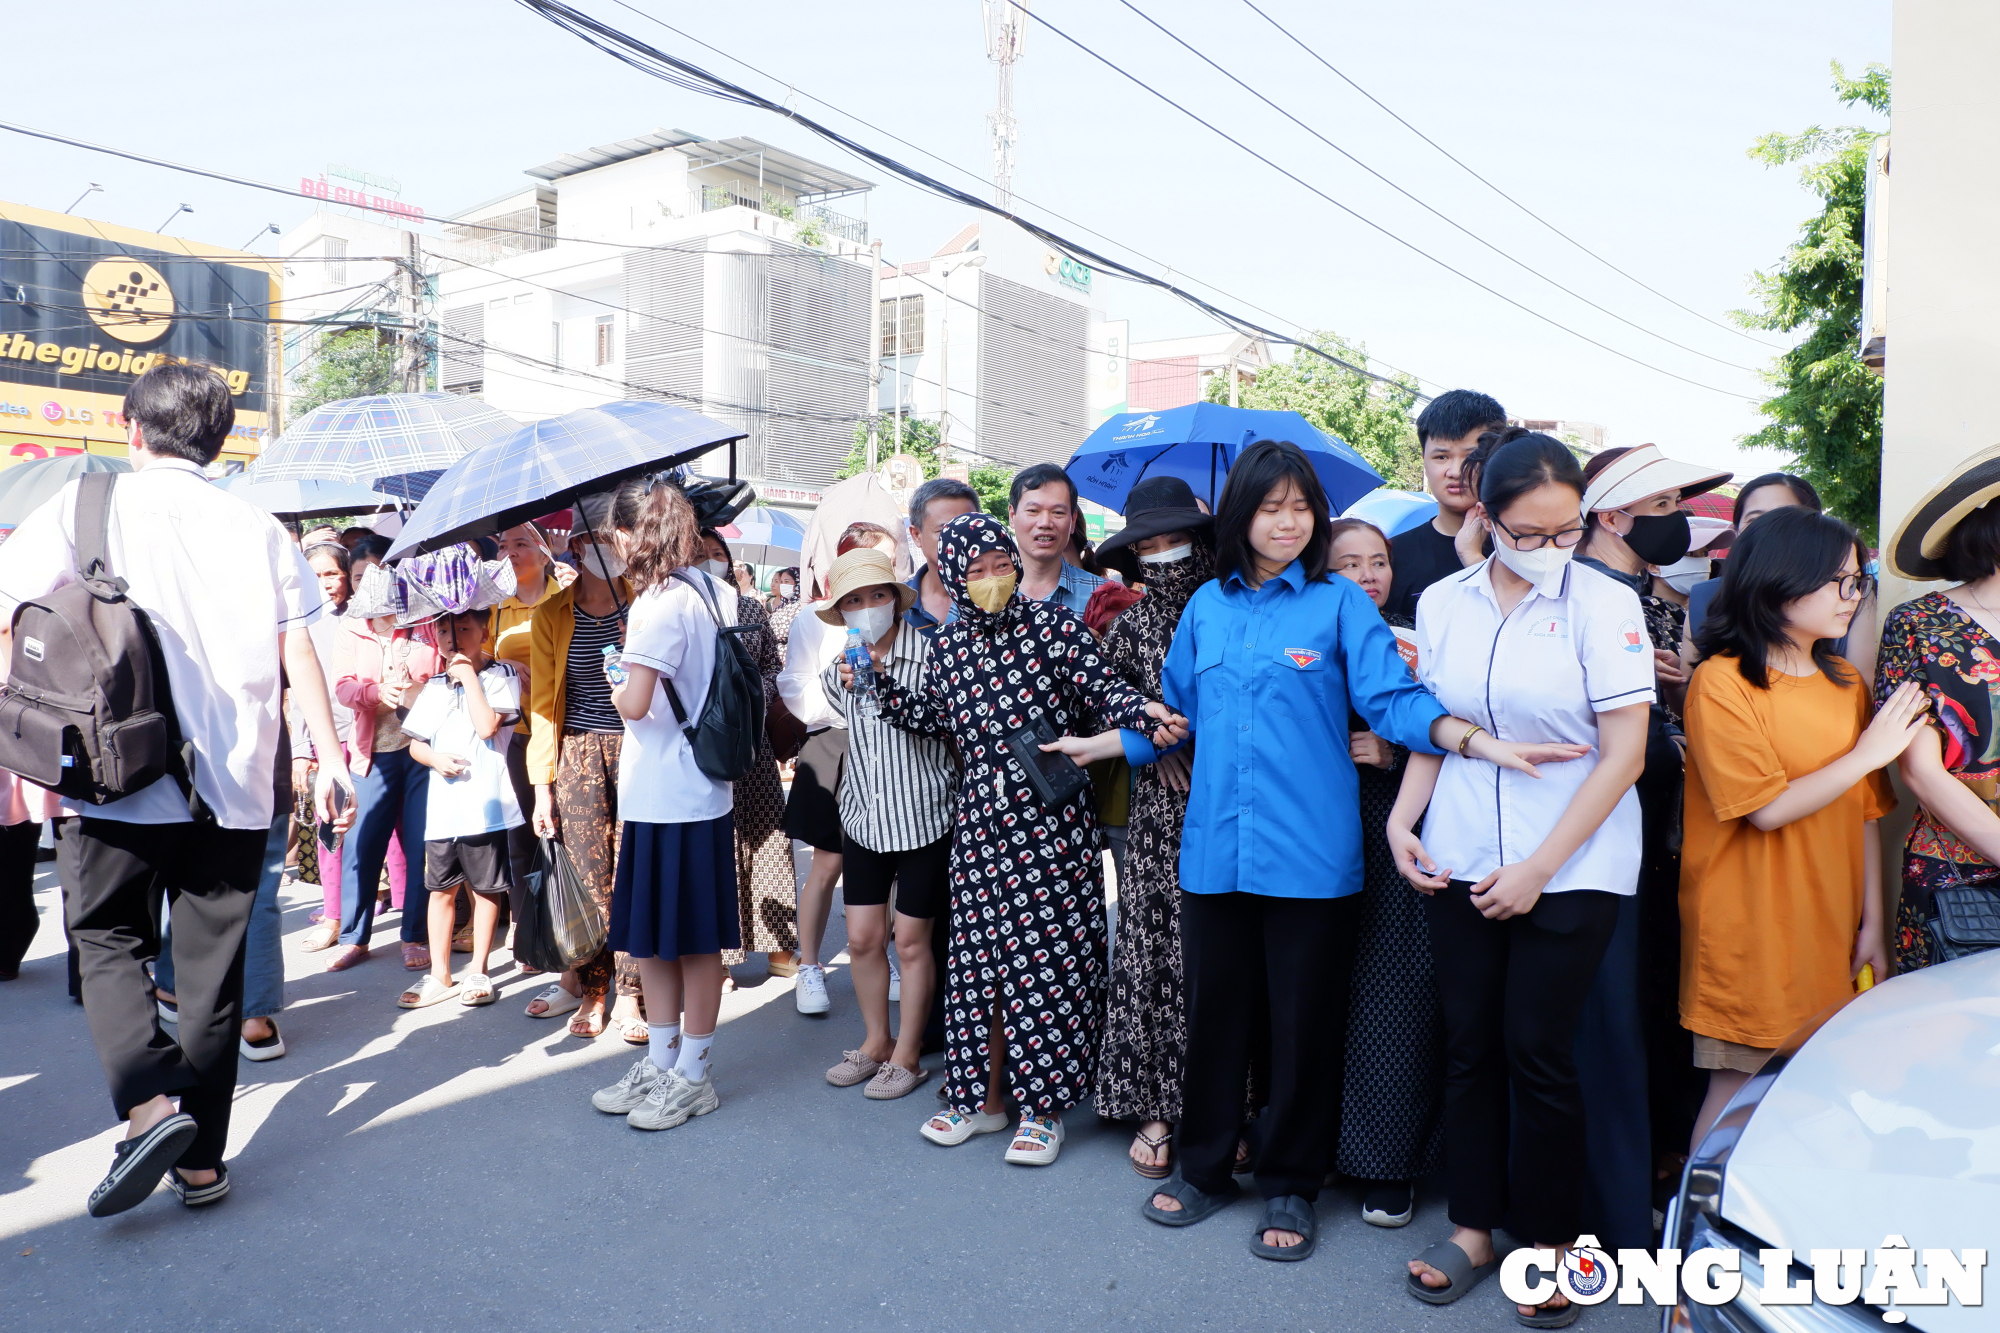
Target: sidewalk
column 442, row 1168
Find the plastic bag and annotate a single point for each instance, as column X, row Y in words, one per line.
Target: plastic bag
column 562, row 925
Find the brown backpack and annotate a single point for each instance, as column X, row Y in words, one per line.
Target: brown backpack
column 86, row 710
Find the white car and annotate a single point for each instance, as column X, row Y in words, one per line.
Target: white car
column 1879, row 1118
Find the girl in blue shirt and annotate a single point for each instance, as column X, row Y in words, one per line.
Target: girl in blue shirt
column 1267, row 663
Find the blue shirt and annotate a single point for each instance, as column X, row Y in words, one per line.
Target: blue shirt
column 921, row 618
column 1267, row 677
column 1073, row 588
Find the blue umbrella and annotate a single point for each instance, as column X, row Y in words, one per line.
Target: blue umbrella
column 1393, row 511
column 387, row 435
column 762, row 535
column 302, row 499
column 1197, row 443
column 543, row 467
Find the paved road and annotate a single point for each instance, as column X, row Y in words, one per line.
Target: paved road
column 443, row 1169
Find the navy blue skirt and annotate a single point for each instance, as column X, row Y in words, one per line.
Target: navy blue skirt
column 675, row 894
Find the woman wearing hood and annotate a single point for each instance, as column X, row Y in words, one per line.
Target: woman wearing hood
column 1025, row 973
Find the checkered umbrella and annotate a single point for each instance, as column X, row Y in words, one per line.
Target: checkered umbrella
column 545, row 466
column 388, row 435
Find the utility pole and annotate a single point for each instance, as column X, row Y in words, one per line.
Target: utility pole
column 875, row 351
column 412, row 283
column 1006, row 33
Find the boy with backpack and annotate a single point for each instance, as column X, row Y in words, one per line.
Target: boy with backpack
column 458, row 727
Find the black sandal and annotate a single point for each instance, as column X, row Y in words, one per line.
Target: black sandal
column 1288, row 1212
column 138, row 1163
column 1157, row 1170
column 1195, row 1203
column 1461, row 1274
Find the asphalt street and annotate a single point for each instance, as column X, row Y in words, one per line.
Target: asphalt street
column 443, row 1169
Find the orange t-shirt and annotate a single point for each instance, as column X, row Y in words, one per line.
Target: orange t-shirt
column 1768, row 919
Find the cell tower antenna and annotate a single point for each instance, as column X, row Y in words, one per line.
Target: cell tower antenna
column 1006, row 33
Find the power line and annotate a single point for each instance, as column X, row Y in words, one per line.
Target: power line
column 1454, row 160
column 1368, row 222
column 1452, row 222
column 649, row 60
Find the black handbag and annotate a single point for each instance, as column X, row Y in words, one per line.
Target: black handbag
column 1965, row 920
column 1053, row 775
column 562, row 926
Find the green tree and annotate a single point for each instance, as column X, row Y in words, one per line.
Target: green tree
column 920, row 438
column 1369, row 415
column 1826, row 408
column 351, row 364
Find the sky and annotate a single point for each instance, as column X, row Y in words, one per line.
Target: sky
column 1626, row 126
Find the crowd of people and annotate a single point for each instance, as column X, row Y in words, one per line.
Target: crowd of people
column 1506, row 848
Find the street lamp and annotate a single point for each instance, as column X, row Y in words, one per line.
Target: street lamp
column 255, row 236
column 94, row 189
column 171, row 216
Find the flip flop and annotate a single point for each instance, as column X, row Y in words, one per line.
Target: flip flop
column 1195, row 1203
column 1561, row 1316
column 1288, row 1212
column 1461, row 1273
column 1160, row 1170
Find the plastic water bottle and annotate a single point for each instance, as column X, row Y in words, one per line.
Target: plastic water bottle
column 614, row 664
column 856, row 656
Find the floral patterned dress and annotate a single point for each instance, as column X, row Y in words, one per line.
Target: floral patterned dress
column 1027, row 902
column 1934, row 643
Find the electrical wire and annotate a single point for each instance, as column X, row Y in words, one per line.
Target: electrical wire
column 1455, row 161
column 1448, row 220
column 1409, row 245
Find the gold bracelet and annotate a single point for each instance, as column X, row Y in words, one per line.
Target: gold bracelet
column 1466, row 739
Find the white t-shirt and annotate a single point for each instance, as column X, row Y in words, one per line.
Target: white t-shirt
column 222, row 582
column 812, row 644
column 482, row 799
column 671, row 631
column 1574, row 647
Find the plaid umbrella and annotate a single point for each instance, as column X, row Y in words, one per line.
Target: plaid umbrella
column 365, row 439
column 302, row 499
column 548, row 464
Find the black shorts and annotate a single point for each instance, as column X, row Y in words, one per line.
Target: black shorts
column 480, row 860
column 922, row 878
column 812, row 814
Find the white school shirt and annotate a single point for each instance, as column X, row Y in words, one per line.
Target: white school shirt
column 671, row 631
column 812, row 644
column 221, row 581
column 482, row 799
column 1574, row 647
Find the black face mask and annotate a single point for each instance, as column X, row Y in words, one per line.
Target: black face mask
column 1660, row 539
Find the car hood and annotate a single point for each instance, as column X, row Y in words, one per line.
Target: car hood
column 1886, row 1122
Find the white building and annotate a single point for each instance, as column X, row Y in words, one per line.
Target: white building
column 342, row 271
column 708, row 272
column 995, row 336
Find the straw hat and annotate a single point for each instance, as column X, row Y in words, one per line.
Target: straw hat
column 1638, row 473
column 862, row 567
column 1916, row 552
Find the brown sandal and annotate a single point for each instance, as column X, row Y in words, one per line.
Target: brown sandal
column 1153, row 1142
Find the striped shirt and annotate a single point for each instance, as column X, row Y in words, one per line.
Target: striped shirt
column 586, row 694
column 897, row 791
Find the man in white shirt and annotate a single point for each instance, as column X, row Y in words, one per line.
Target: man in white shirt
column 230, row 597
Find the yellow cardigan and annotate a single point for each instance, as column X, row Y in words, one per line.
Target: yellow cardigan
column 549, row 633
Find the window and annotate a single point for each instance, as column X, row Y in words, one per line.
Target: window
column 497, row 302
column 606, row 344
column 336, row 261
column 524, row 298
column 555, row 343
column 908, row 312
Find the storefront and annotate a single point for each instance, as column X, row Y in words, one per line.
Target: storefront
column 87, row 307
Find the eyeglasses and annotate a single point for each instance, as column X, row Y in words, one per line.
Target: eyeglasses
column 1852, row 586
column 1535, row 541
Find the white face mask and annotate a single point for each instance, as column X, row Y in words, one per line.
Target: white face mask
column 603, row 560
column 1682, row 575
column 1167, row 557
column 719, row 568
column 872, row 621
column 1534, row 566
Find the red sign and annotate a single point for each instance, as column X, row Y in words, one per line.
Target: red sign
column 340, row 194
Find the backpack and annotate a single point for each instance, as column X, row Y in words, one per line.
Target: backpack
column 87, row 710
column 726, row 736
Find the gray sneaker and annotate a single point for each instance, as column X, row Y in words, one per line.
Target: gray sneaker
column 672, row 1100
column 628, row 1092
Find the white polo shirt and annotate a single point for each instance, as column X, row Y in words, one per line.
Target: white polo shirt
column 671, row 631
column 221, row 581
column 1574, row 647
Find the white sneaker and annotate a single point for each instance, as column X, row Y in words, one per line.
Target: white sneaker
column 811, row 989
column 628, row 1092
column 673, row 1100
column 895, row 978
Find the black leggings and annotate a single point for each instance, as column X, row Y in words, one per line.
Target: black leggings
column 1511, row 992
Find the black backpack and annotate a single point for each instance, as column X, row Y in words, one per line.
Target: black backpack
column 726, row 736
column 87, row 710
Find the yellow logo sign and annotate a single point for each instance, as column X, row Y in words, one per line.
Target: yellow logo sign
column 128, row 300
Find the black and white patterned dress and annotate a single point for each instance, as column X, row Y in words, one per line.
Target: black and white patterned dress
column 1027, row 911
